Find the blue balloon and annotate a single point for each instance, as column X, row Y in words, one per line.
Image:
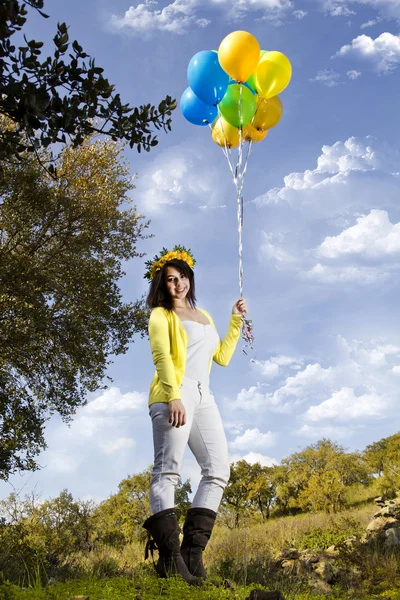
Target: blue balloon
column 207, row 78
column 196, row 111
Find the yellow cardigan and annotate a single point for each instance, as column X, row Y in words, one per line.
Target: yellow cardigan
column 168, row 341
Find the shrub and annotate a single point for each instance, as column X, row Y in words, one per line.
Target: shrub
column 336, row 533
column 7, row 591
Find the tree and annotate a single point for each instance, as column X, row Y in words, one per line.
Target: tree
column 236, row 495
column 289, row 484
column 15, row 552
column 60, row 526
column 56, row 98
column 375, row 454
column 324, row 470
column 62, row 243
column 261, row 489
column 40, row 535
column 119, row 519
column 182, row 502
column 383, row 457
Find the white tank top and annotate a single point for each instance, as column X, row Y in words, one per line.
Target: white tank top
column 203, row 340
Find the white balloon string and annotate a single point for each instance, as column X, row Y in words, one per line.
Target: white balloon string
column 238, row 173
column 239, row 188
column 226, row 150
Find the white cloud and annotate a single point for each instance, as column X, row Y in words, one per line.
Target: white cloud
column 294, row 390
column 254, row 398
column 342, row 274
column 253, row 439
column 389, row 8
column 373, row 235
column 177, row 18
column 103, row 427
column 383, row 52
column 252, row 458
column 344, row 405
column 299, row 14
column 233, row 427
column 271, row 368
column 338, row 167
column 389, row 349
column 61, row 462
column 349, row 179
column 118, row 444
column 86, row 426
column 270, row 10
column 255, row 457
column 336, row 8
column 182, row 16
column 172, row 179
column 316, row 432
column 284, row 360
column 370, row 23
column 375, row 357
column 272, row 249
column 268, row 369
column 112, row 401
column 328, row 77
column 296, row 387
column 362, row 374
column 206, row 207
column 353, row 74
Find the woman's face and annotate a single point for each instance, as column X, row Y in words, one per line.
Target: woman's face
column 178, row 285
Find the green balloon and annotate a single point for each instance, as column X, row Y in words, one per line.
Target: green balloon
column 238, row 105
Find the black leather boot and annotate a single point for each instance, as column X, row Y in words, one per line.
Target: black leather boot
column 163, row 528
column 197, row 530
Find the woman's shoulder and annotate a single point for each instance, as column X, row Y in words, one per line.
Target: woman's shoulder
column 159, row 311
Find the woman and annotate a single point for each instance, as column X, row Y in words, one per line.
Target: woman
column 184, row 342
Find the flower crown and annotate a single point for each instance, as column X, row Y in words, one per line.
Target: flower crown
column 177, row 253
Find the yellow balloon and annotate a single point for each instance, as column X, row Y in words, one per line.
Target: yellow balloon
column 250, row 133
column 272, row 74
column 238, row 55
column 225, row 134
column 268, row 113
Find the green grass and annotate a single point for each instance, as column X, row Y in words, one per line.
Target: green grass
column 147, row 587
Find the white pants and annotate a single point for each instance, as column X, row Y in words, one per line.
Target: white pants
column 204, row 432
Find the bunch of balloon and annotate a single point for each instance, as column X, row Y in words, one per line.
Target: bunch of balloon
column 235, row 91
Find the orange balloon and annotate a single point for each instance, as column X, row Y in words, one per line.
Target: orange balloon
column 250, row 133
column 224, row 134
column 268, row 113
column 238, row 55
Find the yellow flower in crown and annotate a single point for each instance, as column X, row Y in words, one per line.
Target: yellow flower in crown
column 177, row 252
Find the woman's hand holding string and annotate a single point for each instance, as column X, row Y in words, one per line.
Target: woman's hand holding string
column 240, row 307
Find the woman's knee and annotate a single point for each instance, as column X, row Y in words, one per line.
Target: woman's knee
column 225, row 474
column 219, row 474
column 166, row 477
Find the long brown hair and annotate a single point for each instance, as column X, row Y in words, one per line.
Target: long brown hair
column 159, row 294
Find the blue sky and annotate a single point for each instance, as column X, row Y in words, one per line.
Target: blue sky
column 321, row 232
